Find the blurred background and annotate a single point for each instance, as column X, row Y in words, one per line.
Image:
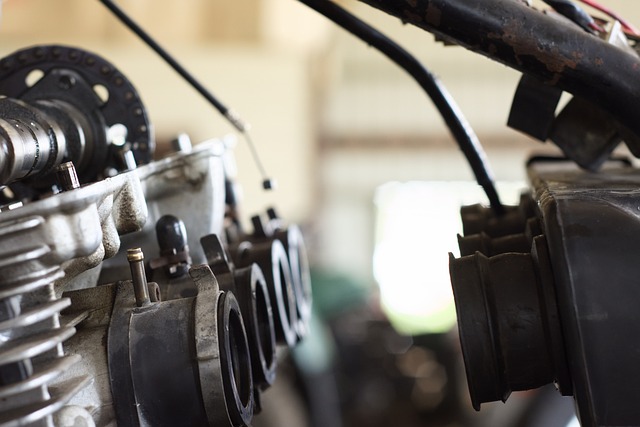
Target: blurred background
column 364, row 164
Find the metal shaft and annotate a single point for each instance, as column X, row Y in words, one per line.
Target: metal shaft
column 138, row 276
column 67, row 176
column 31, row 143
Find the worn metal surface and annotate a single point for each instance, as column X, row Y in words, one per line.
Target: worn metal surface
column 250, row 288
column 187, row 361
column 179, row 362
column 122, row 107
column 41, row 241
column 121, row 209
column 32, row 142
column 225, row 402
column 189, row 186
column 556, row 52
column 89, row 345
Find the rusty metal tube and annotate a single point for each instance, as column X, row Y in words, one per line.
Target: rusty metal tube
column 556, row 52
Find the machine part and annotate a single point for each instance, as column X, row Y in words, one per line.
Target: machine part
column 88, row 95
column 174, row 250
column 508, row 321
column 154, row 292
column 585, row 133
column 576, row 14
column 272, row 259
column 184, row 185
column 138, row 277
column 72, row 416
column 68, row 232
column 591, row 226
column 579, row 299
column 486, row 245
column 555, row 52
column 31, row 141
column 483, row 243
column 253, row 297
column 250, row 287
column 182, row 143
column 533, row 108
column 135, row 360
column 478, row 219
column 218, row 260
column 233, row 353
column 293, row 243
column 179, row 362
column 67, row 177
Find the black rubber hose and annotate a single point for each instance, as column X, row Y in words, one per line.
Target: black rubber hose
column 451, row 114
column 558, row 53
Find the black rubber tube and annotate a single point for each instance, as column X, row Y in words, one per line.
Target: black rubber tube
column 555, row 52
column 451, row 114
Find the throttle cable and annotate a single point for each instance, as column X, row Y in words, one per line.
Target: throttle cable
column 233, row 118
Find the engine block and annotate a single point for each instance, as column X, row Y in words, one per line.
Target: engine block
column 129, row 292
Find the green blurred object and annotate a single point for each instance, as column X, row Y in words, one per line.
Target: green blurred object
column 334, row 292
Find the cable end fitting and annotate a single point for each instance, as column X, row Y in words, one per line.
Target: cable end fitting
column 237, row 122
column 269, row 184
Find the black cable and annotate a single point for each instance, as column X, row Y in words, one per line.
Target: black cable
column 451, row 114
column 126, row 20
column 230, row 115
column 575, row 13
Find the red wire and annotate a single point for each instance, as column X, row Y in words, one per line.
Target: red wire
column 625, row 24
